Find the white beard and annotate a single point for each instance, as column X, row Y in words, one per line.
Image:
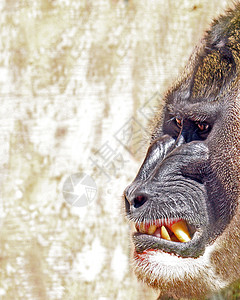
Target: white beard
column 175, row 275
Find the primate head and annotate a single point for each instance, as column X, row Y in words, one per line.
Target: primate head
column 184, row 200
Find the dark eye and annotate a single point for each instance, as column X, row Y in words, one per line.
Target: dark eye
column 203, row 127
column 178, row 122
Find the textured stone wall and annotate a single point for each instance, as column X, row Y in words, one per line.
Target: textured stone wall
column 79, row 81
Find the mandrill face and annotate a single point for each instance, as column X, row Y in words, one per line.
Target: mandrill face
column 183, row 203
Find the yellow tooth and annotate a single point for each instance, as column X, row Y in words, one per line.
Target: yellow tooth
column 181, row 231
column 142, row 228
column 152, row 229
column 164, row 233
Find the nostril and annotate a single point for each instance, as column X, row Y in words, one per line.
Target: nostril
column 139, row 200
column 134, row 197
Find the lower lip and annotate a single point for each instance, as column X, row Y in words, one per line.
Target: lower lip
column 146, row 253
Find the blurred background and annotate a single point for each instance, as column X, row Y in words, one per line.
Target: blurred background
column 79, row 84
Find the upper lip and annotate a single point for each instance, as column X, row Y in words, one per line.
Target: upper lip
column 149, row 236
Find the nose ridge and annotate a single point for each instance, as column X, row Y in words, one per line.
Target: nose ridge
column 134, row 198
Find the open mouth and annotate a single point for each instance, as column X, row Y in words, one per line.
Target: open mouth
column 175, row 231
column 175, row 236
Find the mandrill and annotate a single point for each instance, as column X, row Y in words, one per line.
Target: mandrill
column 184, row 201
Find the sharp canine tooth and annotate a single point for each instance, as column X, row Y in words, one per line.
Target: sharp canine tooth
column 181, row 231
column 164, row 233
column 152, row 229
column 142, row 228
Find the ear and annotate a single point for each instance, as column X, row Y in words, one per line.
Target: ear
column 221, row 38
column 217, row 63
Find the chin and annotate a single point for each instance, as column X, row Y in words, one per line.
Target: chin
column 176, row 276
